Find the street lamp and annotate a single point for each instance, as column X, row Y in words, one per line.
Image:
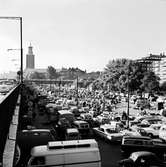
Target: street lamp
column 21, row 49
column 128, row 96
column 19, row 72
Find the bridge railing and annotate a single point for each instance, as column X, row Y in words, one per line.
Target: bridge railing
column 7, row 107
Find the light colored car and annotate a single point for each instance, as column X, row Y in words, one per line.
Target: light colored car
column 131, row 132
column 162, row 132
column 72, row 134
column 82, row 126
column 152, row 130
column 102, row 120
column 107, row 132
column 116, row 125
column 150, row 121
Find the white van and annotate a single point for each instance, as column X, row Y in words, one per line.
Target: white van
column 162, row 132
column 72, row 153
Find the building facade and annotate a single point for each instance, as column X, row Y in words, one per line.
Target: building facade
column 160, row 69
column 30, row 58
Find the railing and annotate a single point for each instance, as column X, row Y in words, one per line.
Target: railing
column 7, row 108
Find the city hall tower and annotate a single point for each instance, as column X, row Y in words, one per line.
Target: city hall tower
column 30, row 58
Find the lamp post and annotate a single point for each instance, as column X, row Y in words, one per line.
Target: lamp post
column 128, row 96
column 19, row 72
column 21, row 49
column 77, row 90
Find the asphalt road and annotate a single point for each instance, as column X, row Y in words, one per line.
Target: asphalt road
column 110, row 152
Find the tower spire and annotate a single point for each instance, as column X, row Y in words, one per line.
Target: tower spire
column 30, row 51
column 30, row 58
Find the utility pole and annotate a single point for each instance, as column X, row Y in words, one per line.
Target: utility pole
column 128, row 96
column 21, row 45
column 60, row 86
column 21, row 50
column 77, row 90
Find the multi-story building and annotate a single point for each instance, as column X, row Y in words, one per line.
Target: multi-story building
column 160, row 69
column 156, row 63
column 30, row 58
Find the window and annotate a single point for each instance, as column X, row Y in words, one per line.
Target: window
column 101, row 129
column 146, row 142
column 138, row 142
column 128, row 142
column 110, row 131
column 38, row 161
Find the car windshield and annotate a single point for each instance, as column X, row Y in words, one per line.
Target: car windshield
column 111, row 131
column 154, row 121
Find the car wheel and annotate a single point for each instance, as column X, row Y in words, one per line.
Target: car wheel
column 150, row 135
column 17, row 155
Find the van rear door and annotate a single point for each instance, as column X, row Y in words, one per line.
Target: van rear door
column 55, row 160
column 83, row 158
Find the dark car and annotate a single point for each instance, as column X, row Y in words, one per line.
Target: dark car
column 83, row 127
column 141, row 143
column 27, row 139
column 142, row 159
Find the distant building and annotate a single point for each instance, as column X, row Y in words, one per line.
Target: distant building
column 155, row 63
column 30, row 59
column 160, row 69
column 28, row 72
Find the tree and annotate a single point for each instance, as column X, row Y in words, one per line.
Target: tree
column 52, row 72
column 37, row 75
column 163, row 86
column 150, row 82
column 136, row 74
column 97, row 84
column 122, row 72
column 117, row 74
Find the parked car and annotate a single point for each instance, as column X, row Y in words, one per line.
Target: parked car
column 72, row 134
column 83, row 127
column 131, row 132
column 27, row 139
column 107, row 132
column 152, row 130
column 118, row 126
column 142, row 159
column 162, row 132
column 86, row 116
column 102, row 120
column 142, row 143
column 150, row 121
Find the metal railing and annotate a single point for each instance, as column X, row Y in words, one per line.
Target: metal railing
column 7, row 107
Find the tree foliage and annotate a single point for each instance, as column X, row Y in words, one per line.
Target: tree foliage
column 53, row 74
column 150, row 82
column 37, row 75
column 122, row 74
column 163, row 86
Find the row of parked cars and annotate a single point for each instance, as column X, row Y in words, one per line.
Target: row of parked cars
column 69, row 126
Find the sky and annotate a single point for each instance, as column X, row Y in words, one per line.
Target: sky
column 81, row 33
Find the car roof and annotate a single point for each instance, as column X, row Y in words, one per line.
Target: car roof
column 36, row 130
column 106, row 126
column 142, row 153
column 79, row 121
column 152, row 118
column 64, row 112
column 137, row 137
column 72, row 130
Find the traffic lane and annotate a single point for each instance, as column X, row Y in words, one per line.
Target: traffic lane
column 110, row 153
